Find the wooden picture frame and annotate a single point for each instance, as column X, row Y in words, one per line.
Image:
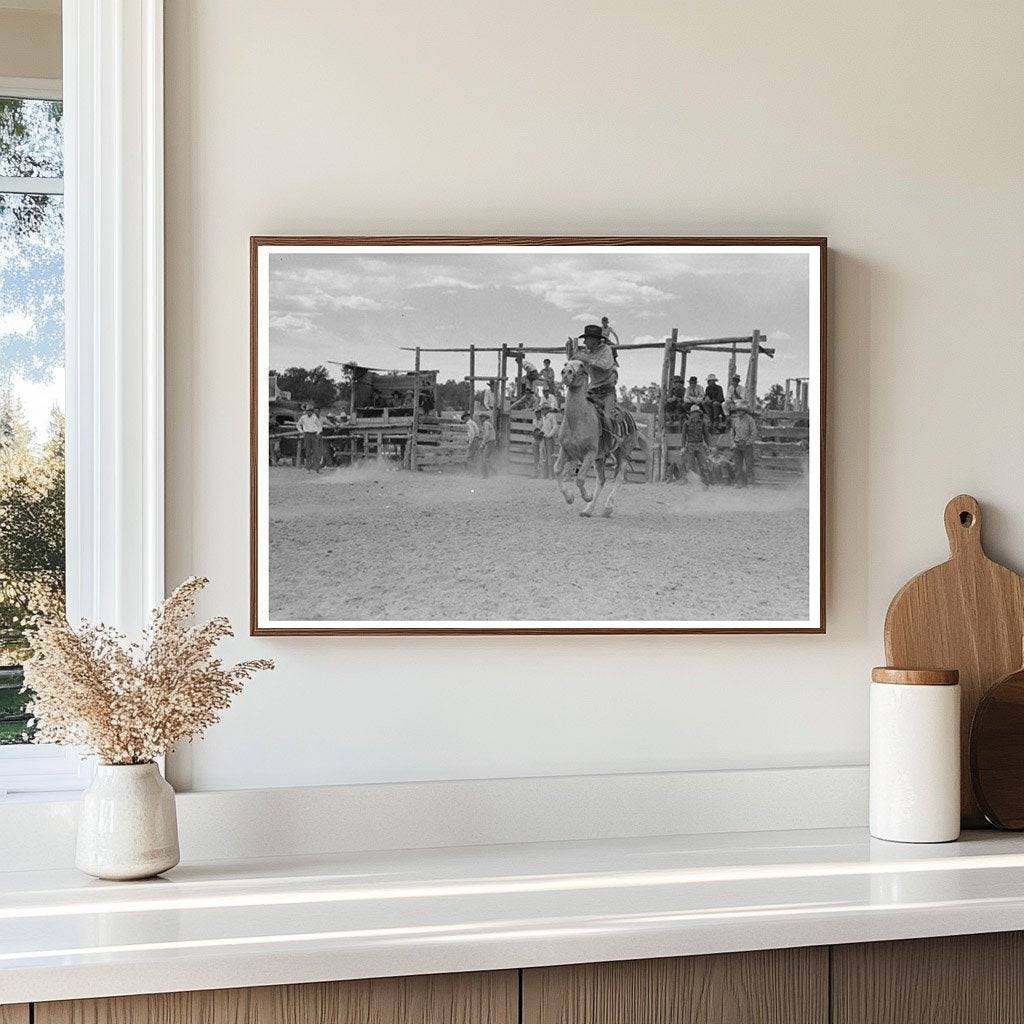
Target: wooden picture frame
column 807, row 390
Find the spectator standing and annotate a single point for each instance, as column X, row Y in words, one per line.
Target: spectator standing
column 473, row 435
column 538, row 439
column 549, row 430
column 743, row 427
column 696, row 442
column 310, row 429
column 488, row 439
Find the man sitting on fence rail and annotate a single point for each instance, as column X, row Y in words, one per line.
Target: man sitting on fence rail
column 692, row 395
column 608, row 333
column 547, row 376
column 714, row 399
column 734, row 396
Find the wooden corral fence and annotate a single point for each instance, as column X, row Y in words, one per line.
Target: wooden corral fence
column 522, row 453
column 441, row 443
column 381, row 438
column 520, row 450
column 783, row 444
column 781, row 451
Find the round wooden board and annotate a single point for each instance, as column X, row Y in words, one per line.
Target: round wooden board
column 997, row 752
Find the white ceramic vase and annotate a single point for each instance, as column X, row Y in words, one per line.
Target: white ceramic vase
column 127, row 825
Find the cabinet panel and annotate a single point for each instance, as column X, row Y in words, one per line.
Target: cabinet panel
column 14, row 1013
column 778, row 986
column 962, row 979
column 482, row 998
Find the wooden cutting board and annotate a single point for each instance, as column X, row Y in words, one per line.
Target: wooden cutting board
column 967, row 614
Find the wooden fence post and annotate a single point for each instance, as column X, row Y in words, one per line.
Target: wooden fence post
column 502, row 419
column 666, row 381
column 650, row 451
column 413, row 460
column 472, row 379
column 755, row 350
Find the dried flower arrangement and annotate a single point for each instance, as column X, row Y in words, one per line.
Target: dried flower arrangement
column 129, row 703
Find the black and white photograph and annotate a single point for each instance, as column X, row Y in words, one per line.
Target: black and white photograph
column 558, row 435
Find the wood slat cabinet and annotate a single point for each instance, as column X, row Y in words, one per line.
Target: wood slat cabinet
column 482, row 998
column 775, row 986
column 962, row 979
column 970, row 979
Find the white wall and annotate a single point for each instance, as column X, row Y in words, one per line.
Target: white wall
column 895, row 129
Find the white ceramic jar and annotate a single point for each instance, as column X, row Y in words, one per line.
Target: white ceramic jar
column 915, row 755
column 127, row 824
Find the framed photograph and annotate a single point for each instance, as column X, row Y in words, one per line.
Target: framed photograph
column 537, row 435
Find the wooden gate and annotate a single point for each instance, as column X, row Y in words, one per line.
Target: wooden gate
column 440, row 443
column 782, row 449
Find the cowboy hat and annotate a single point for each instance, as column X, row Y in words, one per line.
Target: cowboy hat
column 711, row 376
column 592, row 332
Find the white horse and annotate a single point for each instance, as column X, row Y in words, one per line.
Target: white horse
column 582, row 443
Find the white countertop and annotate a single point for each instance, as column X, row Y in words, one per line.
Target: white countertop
column 261, row 922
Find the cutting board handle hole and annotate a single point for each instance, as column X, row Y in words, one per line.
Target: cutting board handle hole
column 966, row 519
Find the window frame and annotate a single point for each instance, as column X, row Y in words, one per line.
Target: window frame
column 112, row 90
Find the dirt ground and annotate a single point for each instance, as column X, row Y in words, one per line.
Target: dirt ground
column 381, row 543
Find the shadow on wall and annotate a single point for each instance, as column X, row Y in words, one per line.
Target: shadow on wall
column 854, row 288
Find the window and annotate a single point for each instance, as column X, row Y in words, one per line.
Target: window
column 32, row 514
column 91, row 171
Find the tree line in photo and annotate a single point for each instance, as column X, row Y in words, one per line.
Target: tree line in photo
column 316, row 386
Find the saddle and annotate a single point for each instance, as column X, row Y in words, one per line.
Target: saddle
column 614, row 429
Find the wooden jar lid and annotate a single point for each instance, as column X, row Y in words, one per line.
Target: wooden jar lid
column 916, row 676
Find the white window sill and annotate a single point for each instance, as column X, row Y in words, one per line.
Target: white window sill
column 42, row 771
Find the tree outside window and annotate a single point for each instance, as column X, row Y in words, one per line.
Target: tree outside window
column 31, row 386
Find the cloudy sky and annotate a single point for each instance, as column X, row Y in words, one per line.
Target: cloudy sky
column 364, row 307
